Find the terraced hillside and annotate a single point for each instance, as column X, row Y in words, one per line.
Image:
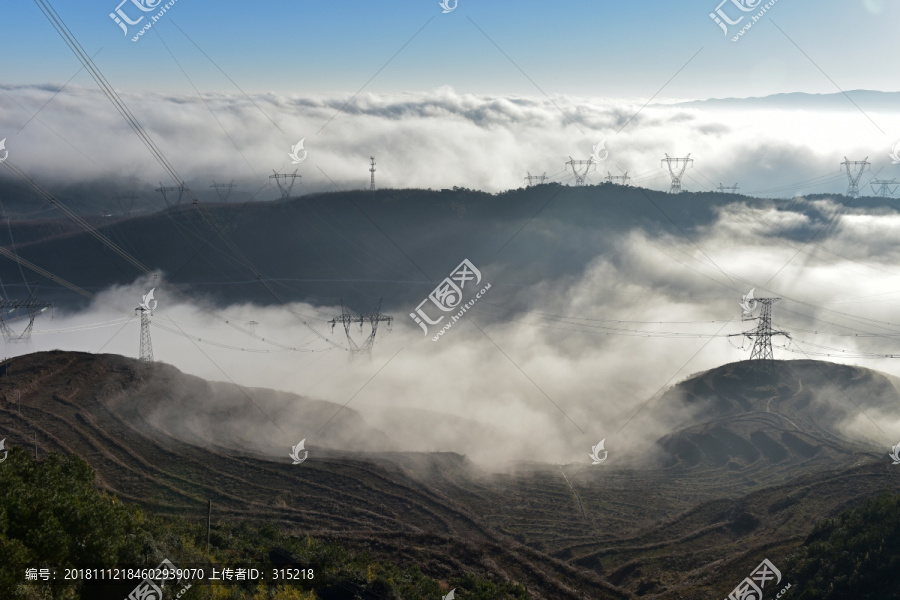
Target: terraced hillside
column 690, row 526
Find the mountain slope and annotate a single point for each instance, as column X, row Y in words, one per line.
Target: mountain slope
column 662, row 529
column 116, row 414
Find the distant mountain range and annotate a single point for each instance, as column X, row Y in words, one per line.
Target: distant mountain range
column 865, row 100
column 362, row 246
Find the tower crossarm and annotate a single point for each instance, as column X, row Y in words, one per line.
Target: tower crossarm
column 576, row 164
column 675, row 172
column 289, row 179
column 855, row 170
column 32, row 305
column 223, row 186
column 348, row 318
column 29, row 304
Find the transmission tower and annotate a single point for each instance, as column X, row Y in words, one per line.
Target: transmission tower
column 126, row 203
column 374, row 318
column 618, row 179
column 372, row 171
column 728, row 189
column 855, row 170
column 288, row 185
column 223, row 186
column 676, row 172
column 762, row 335
column 146, row 350
column 34, row 308
column 164, row 190
column 884, row 189
column 536, row 179
column 576, row 165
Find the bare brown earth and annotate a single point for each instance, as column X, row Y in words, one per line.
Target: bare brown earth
column 746, row 482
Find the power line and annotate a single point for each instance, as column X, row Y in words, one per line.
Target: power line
column 132, row 121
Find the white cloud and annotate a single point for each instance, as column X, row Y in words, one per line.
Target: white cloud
column 431, row 139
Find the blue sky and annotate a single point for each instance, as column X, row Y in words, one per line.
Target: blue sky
column 575, row 47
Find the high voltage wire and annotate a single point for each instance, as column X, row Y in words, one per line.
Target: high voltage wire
column 205, row 103
column 110, row 244
column 85, row 59
column 811, row 182
column 71, row 286
column 810, row 254
column 126, row 320
column 751, row 284
column 613, row 320
column 73, row 44
column 602, row 330
column 837, row 352
column 156, row 325
column 834, row 333
column 262, row 280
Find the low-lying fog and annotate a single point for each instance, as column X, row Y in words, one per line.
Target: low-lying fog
column 543, row 371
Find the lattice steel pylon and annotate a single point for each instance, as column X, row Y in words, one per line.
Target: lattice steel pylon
column 855, row 170
column 675, row 172
column 536, row 179
column 126, row 203
column 373, row 318
column 286, row 187
column 223, row 186
column 618, row 179
column 166, row 189
column 34, row 308
column 762, row 335
column 146, row 350
column 884, row 189
column 372, row 171
column 575, row 164
column 728, row 189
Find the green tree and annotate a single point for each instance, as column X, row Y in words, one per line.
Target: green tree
column 853, row 557
column 52, row 515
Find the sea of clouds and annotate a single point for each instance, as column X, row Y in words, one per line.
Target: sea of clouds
column 435, row 139
column 520, row 386
column 546, row 371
